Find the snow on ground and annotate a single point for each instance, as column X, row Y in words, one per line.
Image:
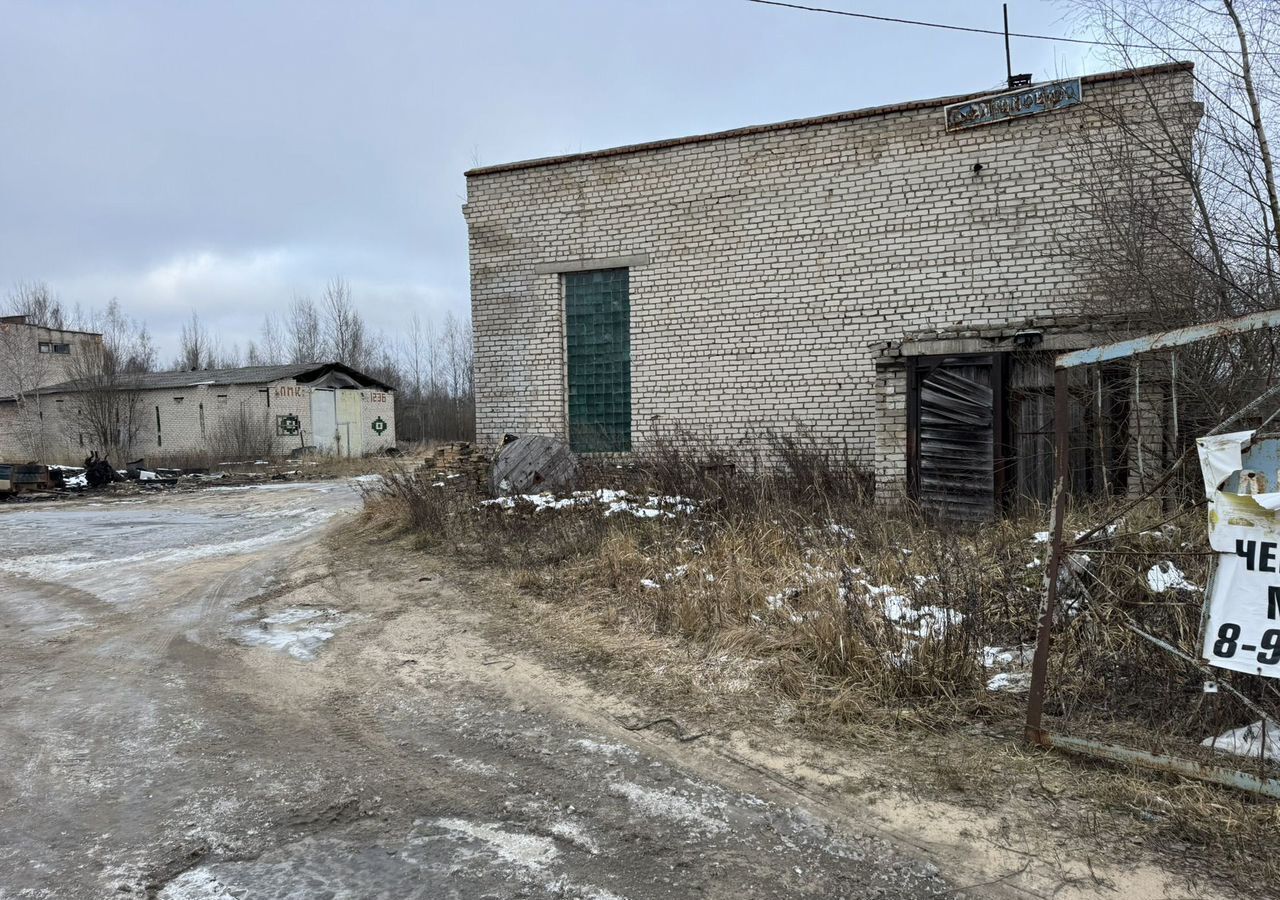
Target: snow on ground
column 668, row 805
column 60, row 566
column 1017, row 682
column 528, row 851
column 914, row 621
column 194, row 884
column 604, row 748
column 999, row 657
column 576, row 833
column 1012, row 664
column 299, row 632
column 614, row 502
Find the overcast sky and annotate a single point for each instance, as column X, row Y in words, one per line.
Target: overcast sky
column 223, row 155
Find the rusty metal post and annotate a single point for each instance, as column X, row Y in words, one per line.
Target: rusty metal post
column 1062, row 465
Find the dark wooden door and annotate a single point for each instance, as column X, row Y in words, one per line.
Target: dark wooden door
column 954, row 440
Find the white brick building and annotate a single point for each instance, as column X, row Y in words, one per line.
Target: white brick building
column 254, row 410
column 772, row 276
column 32, row 356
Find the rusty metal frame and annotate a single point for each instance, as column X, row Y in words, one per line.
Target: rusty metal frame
column 1034, row 731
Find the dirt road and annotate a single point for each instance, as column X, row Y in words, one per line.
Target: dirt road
column 199, row 700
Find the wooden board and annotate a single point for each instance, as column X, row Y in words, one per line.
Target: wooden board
column 532, row 464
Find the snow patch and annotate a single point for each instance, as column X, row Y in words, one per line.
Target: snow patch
column 1015, row 682
column 603, row 748
column 299, row 632
column 527, row 851
column 841, row 531
column 613, row 502
column 667, row 805
column 1006, row 656
column 576, row 834
column 916, row 621
column 194, row 884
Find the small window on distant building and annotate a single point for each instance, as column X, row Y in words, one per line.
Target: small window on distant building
column 222, row 399
column 178, row 399
column 46, row 347
column 63, row 349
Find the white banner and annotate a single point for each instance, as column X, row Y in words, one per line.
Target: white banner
column 1243, row 629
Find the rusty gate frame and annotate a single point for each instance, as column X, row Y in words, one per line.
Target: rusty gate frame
column 1034, row 732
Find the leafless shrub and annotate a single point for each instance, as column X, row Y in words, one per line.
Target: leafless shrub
column 243, row 435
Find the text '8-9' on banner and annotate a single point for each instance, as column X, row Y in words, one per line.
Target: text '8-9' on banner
column 1242, row 619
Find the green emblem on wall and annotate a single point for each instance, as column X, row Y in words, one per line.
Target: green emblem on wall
column 289, row 424
column 379, row 425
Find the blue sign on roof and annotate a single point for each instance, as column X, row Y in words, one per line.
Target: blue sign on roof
column 1029, row 101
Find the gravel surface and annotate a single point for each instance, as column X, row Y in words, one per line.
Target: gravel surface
column 197, row 701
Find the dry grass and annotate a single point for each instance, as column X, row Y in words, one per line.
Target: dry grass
column 786, row 592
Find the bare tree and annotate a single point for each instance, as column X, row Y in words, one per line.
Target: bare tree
column 1182, row 212
column 1232, row 247
column 36, row 301
column 416, row 352
column 108, row 411
column 344, row 329
column 271, row 350
column 195, row 349
column 305, row 343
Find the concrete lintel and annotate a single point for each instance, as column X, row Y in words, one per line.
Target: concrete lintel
column 586, row 265
column 1050, row 343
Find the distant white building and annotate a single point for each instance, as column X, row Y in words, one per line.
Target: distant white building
column 254, row 410
column 33, row 356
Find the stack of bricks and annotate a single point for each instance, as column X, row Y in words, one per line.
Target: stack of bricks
column 459, row 466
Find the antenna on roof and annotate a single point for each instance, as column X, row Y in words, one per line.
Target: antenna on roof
column 1014, row 80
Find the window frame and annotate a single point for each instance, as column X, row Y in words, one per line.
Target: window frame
column 621, row 440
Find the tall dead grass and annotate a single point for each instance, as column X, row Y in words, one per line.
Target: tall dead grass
column 850, row 610
column 866, row 620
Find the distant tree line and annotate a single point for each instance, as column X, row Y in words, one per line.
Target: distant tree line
column 429, row 363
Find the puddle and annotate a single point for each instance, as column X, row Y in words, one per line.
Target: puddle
column 299, row 632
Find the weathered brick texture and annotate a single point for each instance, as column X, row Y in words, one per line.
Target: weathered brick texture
column 199, row 419
column 765, row 262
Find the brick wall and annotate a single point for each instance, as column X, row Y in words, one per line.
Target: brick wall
column 763, row 264
column 24, row 367
column 195, row 420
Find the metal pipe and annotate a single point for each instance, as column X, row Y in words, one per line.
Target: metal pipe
column 1033, row 732
column 1267, row 787
column 1163, row 340
column 1008, row 58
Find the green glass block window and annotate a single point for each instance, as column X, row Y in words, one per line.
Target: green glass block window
column 598, row 334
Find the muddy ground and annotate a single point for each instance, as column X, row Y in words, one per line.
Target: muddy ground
column 231, row 693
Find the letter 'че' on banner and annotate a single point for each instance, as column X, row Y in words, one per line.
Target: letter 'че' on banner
column 1242, row 627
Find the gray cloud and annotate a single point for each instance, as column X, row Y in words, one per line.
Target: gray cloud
column 223, row 155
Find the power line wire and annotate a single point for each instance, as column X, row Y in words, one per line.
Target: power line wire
column 993, row 31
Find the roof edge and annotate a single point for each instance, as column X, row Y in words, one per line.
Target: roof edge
column 297, row 371
column 831, row 118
